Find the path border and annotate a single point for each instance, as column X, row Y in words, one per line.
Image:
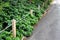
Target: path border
column 43, row 15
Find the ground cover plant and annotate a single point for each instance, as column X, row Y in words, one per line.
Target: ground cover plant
column 20, row 11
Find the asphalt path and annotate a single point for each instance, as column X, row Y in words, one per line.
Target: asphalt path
column 48, row 27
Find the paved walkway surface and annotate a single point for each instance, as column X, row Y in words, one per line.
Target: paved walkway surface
column 48, row 27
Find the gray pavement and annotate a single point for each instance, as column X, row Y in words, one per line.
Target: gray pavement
column 48, row 27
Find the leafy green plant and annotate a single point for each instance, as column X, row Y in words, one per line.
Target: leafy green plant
column 20, row 11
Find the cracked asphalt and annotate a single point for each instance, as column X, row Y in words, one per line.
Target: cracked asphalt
column 48, row 27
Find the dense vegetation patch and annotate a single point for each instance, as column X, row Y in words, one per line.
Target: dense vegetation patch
column 20, row 11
